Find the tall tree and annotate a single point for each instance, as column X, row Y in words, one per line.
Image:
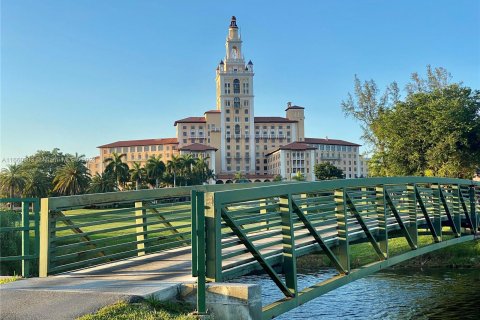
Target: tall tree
column 117, row 168
column 433, row 133
column 201, row 172
column 327, row 171
column 73, row 177
column 174, row 167
column 137, row 174
column 37, row 184
column 155, row 170
column 101, row 183
column 12, row 181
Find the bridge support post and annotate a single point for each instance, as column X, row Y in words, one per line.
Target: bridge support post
column 343, row 251
column 288, row 240
column 194, row 232
column 436, row 206
column 141, row 222
column 412, row 226
column 457, row 218
column 473, row 213
column 25, row 238
column 382, row 219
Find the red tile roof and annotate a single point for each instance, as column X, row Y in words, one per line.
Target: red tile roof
column 330, row 141
column 145, row 142
column 273, row 120
column 213, row 111
column 293, row 146
column 197, row 147
column 294, row 107
column 191, row 120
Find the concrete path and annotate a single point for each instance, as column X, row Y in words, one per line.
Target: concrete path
column 70, row 295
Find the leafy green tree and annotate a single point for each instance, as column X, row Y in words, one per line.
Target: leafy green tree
column 73, row 177
column 327, row 171
column 12, row 181
column 101, row 183
column 299, row 176
column 433, row 133
column 155, row 170
column 277, row 178
column 117, row 168
column 137, row 174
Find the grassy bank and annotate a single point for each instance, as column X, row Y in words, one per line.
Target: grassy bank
column 463, row 255
column 150, row 309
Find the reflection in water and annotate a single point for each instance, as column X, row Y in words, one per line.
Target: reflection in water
column 392, row 294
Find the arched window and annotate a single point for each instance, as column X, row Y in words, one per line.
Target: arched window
column 236, row 86
column 237, row 129
column 236, row 102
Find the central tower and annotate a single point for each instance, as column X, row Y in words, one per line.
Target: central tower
column 234, row 82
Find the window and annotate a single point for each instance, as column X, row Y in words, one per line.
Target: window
column 246, row 119
column 227, row 88
column 132, row 149
column 237, row 119
column 184, row 127
column 228, row 110
column 236, row 102
column 227, row 119
column 139, row 149
column 153, row 148
column 184, row 133
column 184, row 140
column 237, row 128
column 227, row 103
column 236, row 86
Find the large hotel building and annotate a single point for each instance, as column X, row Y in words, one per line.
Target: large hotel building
column 234, row 140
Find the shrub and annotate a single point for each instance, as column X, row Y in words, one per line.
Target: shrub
column 10, row 243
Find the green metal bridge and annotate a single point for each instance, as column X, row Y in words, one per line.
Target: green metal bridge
column 234, row 230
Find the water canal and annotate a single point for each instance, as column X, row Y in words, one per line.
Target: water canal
column 392, row 294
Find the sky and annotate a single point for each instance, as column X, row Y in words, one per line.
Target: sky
column 79, row 74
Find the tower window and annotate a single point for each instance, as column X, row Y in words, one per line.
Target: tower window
column 236, row 102
column 237, row 129
column 236, row 86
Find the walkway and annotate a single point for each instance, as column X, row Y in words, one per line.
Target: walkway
column 73, row 294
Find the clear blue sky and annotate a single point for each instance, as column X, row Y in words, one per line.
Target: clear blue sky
column 78, row 74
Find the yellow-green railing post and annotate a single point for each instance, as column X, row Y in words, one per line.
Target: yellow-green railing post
column 44, row 254
column 213, row 245
column 141, row 222
column 473, row 213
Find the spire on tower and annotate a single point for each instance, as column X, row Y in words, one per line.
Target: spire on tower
column 233, row 22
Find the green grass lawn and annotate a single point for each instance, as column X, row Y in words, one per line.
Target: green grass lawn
column 150, row 309
column 461, row 255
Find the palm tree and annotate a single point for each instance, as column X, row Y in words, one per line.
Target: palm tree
column 137, row 174
column 155, row 169
column 102, row 183
column 37, row 183
column 174, row 167
column 73, row 177
column 201, row 171
column 188, row 162
column 117, row 168
column 12, row 180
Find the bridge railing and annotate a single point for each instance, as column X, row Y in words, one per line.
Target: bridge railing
column 22, row 221
column 267, row 228
column 87, row 230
